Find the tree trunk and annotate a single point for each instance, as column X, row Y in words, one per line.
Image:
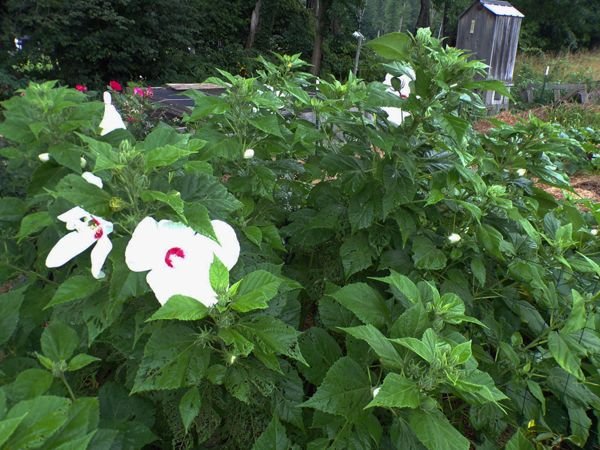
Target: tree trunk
column 320, row 9
column 424, row 19
column 254, row 24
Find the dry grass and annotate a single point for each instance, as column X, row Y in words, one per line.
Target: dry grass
column 565, row 67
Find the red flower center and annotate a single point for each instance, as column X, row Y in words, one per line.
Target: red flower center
column 174, row 251
column 95, row 225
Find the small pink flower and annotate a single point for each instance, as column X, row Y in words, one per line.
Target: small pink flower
column 115, row 85
column 149, row 92
column 138, row 91
column 81, row 87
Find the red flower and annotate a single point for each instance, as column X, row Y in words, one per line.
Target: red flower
column 81, row 87
column 115, row 85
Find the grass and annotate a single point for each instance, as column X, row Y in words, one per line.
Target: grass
column 574, row 67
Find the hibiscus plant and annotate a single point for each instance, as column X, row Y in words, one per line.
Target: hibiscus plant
column 297, row 269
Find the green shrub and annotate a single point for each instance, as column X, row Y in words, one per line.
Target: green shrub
column 398, row 286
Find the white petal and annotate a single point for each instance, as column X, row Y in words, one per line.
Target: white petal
column 68, row 247
column 167, row 282
column 99, row 254
column 229, row 250
column 395, row 115
column 141, row 251
column 92, row 179
column 73, row 217
column 111, row 119
column 44, row 157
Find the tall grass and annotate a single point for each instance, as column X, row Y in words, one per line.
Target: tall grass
column 570, row 67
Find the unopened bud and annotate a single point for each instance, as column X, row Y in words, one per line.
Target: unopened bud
column 521, row 172
column 44, row 157
column 82, row 162
column 376, row 391
column 249, row 154
column 454, row 238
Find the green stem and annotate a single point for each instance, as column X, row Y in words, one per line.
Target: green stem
column 66, row 383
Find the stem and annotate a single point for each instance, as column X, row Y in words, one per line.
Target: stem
column 66, row 383
column 27, row 272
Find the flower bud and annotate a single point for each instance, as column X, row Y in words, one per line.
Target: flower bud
column 521, row 172
column 594, row 231
column 82, row 162
column 376, row 391
column 454, row 238
column 44, row 157
column 249, row 154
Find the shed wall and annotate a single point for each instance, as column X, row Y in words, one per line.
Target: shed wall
column 481, row 41
column 504, row 49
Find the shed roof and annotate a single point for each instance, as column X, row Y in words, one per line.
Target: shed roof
column 497, row 7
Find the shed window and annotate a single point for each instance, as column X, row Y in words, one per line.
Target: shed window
column 472, row 30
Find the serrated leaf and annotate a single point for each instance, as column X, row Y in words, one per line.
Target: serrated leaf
column 29, row 384
column 267, row 124
column 356, row 254
column 401, row 286
column 478, row 270
column 345, row 391
column 80, row 361
column 173, row 358
column 255, row 291
column 198, row 219
column 81, row 193
column 436, row 432
column 273, row 438
column 219, row 276
column 577, row 317
column 397, row 391
column 426, row 255
column 519, row 441
column 461, row 353
column 379, row 343
column 563, row 355
column 180, row 307
column 254, row 234
column 189, row 407
column 59, row 341
column 365, row 302
column 80, row 427
column 74, row 288
column 320, row 350
column 171, row 199
column 273, row 335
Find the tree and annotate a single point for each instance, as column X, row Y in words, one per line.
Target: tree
column 424, row 19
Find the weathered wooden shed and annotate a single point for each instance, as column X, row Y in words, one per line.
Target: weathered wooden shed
column 489, row 29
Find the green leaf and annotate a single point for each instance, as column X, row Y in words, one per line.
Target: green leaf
column 80, row 427
column 43, row 417
column 519, row 441
column 8, row 427
column 254, row 235
column 80, row 361
column 74, row 288
column 189, row 407
column 436, row 432
column 180, row 307
column 59, row 341
column 10, row 304
column 106, row 157
column 563, row 355
column 537, row 392
column 426, row 255
column 345, row 391
column 365, row 302
column 12, row 209
column 33, row 223
column 478, row 387
column 273, row 336
column 478, row 270
column 454, row 126
column 356, row 254
column 165, row 156
column 198, row 219
column 379, row 343
column 81, row 193
column 205, row 105
column 402, row 286
column 173, row 358
column 273, row 438
column 394, row 46
column 490, row 239
column 412, row 322
column 397, row 391
column 255, row 291
column 171, row 199
column 461, row 353
column 577, row 318
column 268, row 124
column 29, row 384
column 219, row 276
column 320, row 351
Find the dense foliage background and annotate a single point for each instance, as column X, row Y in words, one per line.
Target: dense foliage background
column 92, row 42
